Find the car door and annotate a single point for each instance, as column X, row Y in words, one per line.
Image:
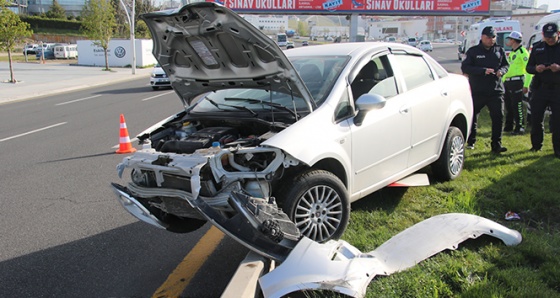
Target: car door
column 380, row 145
column 427, row 99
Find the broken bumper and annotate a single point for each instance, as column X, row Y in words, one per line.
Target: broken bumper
column 340, row 267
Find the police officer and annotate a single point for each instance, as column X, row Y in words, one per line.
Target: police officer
column 544, row 63
column 516, row 83
column 485, row 64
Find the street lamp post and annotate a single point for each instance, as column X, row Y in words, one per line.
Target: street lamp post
column 130, row 16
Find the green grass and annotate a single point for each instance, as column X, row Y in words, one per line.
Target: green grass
column 521, row 181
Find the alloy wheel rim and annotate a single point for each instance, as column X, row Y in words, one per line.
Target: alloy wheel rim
column 456, row 155
column 318, row 213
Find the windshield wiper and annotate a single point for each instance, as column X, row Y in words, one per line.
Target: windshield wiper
column 270, row 104
column 217, row 105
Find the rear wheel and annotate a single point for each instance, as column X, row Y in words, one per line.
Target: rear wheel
column 452, row 158
column 317, row 202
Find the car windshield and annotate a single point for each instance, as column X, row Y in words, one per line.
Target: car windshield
column 318, row 73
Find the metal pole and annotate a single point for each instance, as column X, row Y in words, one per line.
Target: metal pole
column 131, row 23
column 132, row 37
column 456, row 28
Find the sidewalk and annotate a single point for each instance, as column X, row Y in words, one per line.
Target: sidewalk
column 36, row 79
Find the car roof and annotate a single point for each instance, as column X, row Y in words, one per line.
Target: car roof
column 348, row 49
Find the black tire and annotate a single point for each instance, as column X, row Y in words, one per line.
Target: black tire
column 317, row 202
column 452, row 159
column 155, row 88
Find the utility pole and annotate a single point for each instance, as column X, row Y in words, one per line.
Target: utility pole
column 130, row 16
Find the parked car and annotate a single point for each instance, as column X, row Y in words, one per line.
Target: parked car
column 48, row 49
column 66, row 51
column 30, row 49
column 412, row 41
column 285, row 126
column 159, row 78
column 426, row 46
column 305, row 43
column 391, row 39
column 290, row 45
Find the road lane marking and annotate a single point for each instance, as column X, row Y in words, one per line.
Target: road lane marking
column 145, row 99
column 76, row 100
column 33, row 131
column 180, row 278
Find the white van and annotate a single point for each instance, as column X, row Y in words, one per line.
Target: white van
column 66, row 51
column 537, row 34
column 503, row 29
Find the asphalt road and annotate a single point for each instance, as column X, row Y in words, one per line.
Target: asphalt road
column 63, row 232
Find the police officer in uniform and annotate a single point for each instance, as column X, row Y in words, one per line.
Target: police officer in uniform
column 516, row 83
column 485, row 64
column 544, row 63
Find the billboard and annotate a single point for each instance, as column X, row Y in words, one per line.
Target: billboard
column 381, row 7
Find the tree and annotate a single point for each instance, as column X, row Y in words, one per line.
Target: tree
column 12, row 32
column 98, row 24
column 123, row 27
column 56, row 11
column 302, row 28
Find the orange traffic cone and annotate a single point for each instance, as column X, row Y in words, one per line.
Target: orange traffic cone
column 124, row 141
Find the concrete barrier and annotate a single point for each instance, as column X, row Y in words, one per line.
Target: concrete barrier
column 245, row 281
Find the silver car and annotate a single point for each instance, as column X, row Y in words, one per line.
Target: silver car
column 158, row 78
column 309, row 130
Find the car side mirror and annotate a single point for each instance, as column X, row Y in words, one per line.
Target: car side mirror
column 368, row 102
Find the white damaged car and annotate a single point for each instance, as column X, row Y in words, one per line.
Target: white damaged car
column 309, row 130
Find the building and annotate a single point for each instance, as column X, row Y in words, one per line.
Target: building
column 398, row 27
column 268, row 24
column 72, row 7
column 523, row 3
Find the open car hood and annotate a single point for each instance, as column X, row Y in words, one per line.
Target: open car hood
column 205, row 47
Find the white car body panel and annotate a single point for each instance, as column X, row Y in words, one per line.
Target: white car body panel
column 285, row 118
column 340, row 267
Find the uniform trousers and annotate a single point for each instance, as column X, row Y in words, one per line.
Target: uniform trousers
column 495, row 104
column 513, row 102
column 543, row 97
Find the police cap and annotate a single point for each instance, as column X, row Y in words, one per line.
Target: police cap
column 550, row 30
column 489, row 31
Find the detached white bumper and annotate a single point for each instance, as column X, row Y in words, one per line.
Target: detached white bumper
column 340, row 267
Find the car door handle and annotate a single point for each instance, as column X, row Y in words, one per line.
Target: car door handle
column 443, row 92
column 404, row 110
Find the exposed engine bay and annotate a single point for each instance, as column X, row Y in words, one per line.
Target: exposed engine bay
column 186, row 158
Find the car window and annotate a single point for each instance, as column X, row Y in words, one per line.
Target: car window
column 319, row 73
column 376, row 77
column 414, row 69
column 440, row 71
column 344, row 108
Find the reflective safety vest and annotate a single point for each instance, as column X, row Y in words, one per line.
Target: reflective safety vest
column 517, row 60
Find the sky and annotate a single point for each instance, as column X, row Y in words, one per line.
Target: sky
column 552, row 4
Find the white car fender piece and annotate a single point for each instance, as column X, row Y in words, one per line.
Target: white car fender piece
column 416, row 179
column 340, row 267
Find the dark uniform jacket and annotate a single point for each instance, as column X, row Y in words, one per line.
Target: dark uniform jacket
column 477, row 60
column 542, row 53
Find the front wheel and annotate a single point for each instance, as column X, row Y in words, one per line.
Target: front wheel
column 317, row 202
column 452, row 158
